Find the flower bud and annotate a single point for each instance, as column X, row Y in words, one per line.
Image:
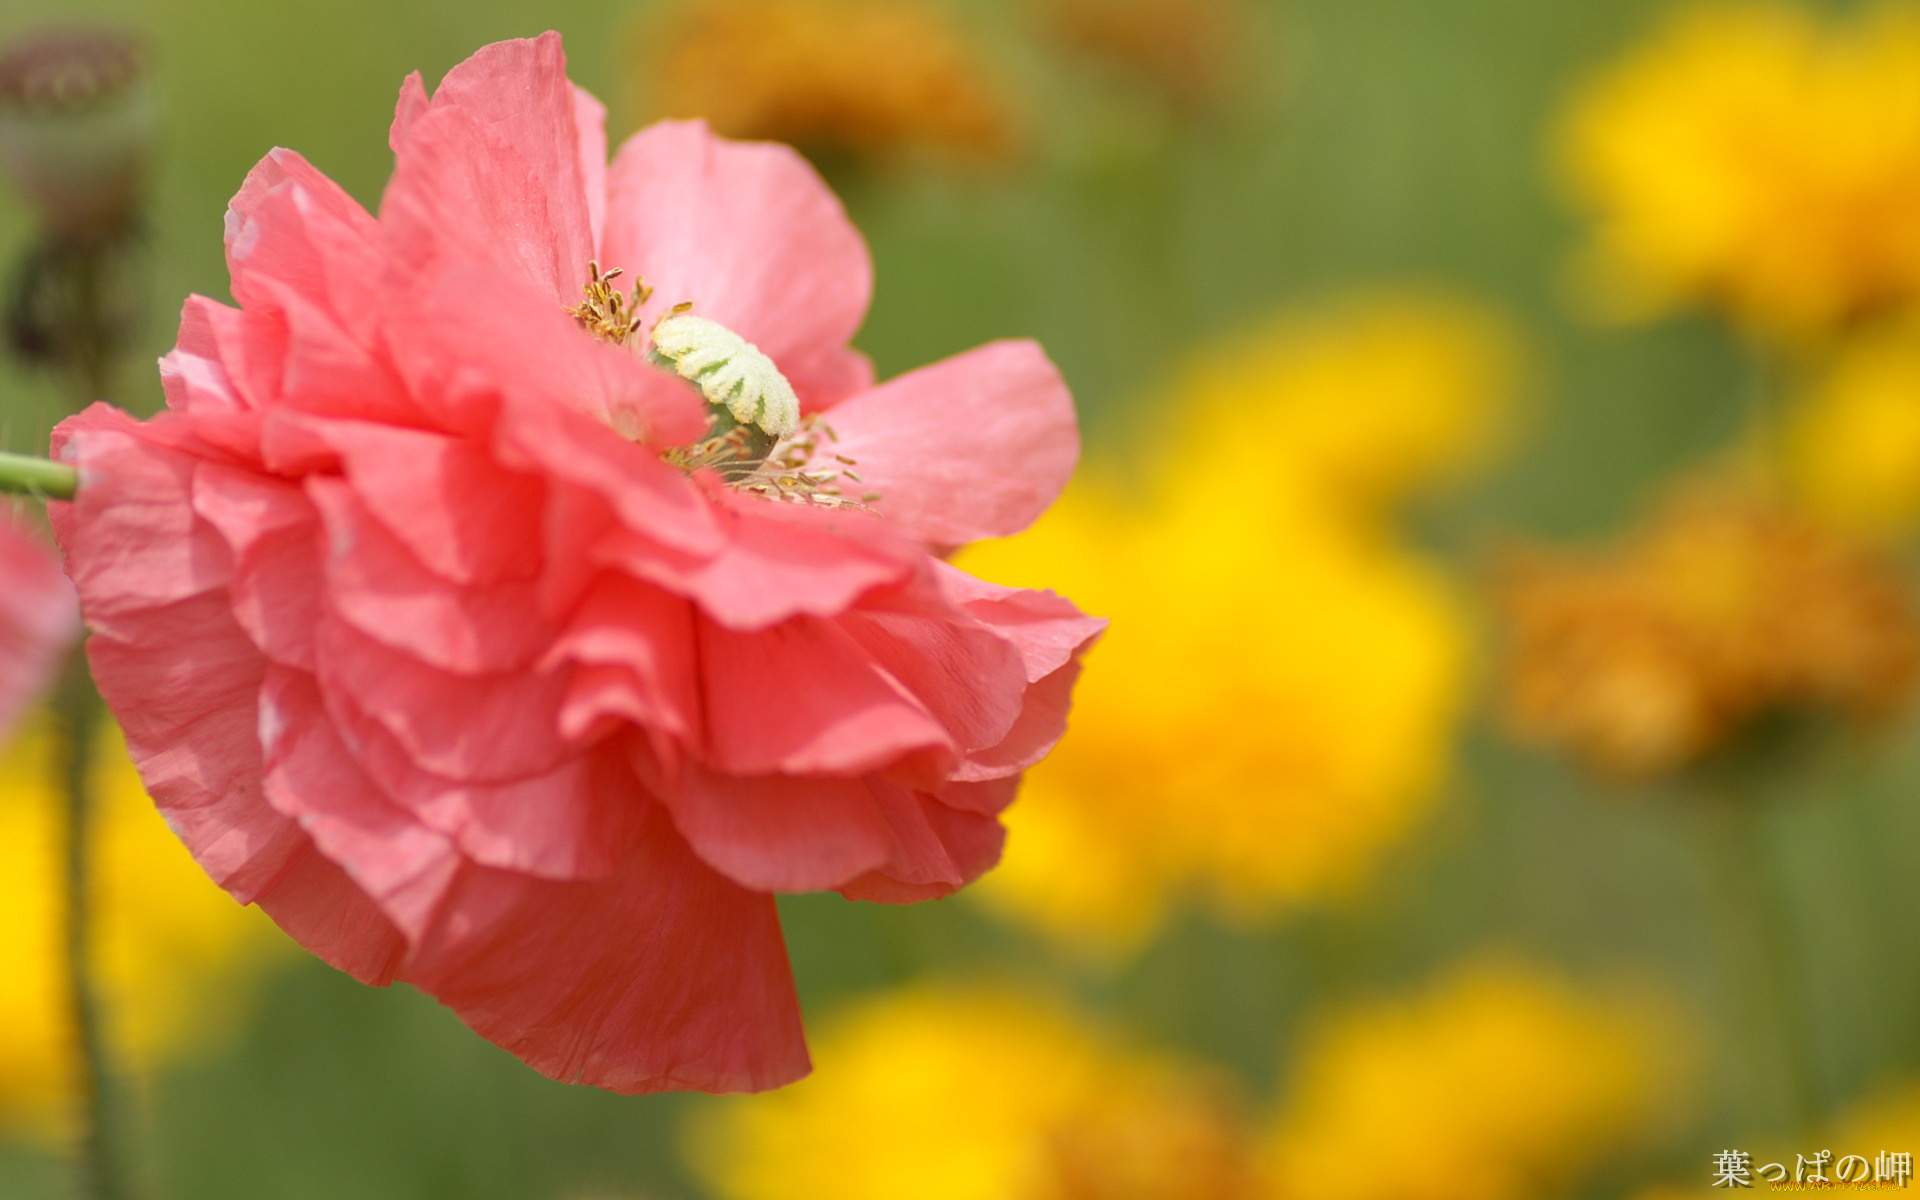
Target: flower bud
column 76, row 128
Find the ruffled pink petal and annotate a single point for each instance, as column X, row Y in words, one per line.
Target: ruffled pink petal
column 291, row 445
column 476, row 728
column 319, row 906
column 323, row 368
column 973, row 447
column 446, row 499
column 664, row 976
column 375, row 584
column 574, row 821
column 191, row 728
column 273, row 535
column 988, row 798
column 189, row 720
column 572, row 525
column 135, row 543
column 635, row 645
column 1051, row 635
column 590, row 126
column 803, row 698
column 778, row 561
column 939, row 849
column 519, row 89
column 629, row 482
column 192, row 373
column 490, row 172
column 1042, row 723
column 968, row 677
column 660, row 976
column 292, row 225
column 248, row 352
column 411, row 105
column 314, row 779
column 1048, row 630
column 283, row 166
column 754, row 239
column 775, row 833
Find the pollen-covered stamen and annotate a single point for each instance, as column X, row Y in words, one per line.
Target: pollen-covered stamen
column 730, row 371
column 606, row 313
column 787, row 472
column 790, row 473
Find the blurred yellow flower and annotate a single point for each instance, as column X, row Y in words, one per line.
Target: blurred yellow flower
column 1497, row 1084
column 1185, row 49
column 1853, row 449
column 977, row 1095
column 1752, row 157
column 1276, row 700
column 174, row 951
column 1721, row 609
column 870, row 79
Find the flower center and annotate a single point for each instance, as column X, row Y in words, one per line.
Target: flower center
column 756, row 440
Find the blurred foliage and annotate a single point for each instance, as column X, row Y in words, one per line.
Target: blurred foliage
column 1144, row 226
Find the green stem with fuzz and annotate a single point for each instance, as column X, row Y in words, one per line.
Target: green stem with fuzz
column 76, row 729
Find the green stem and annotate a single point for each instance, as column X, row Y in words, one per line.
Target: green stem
column 77, row 723
column 27, row 475
column 77, row 713
column 1767, row 417
column 1759, row 958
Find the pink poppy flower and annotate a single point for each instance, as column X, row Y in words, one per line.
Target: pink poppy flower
column 38, row 620
column 444, row 628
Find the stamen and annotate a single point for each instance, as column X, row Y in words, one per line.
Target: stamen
column 605, row 313
column 785, row 473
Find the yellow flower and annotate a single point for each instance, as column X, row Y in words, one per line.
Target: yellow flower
column 1492, row 1084
column 1750, row 157
column 1275, row 701
column 1498, row 1084
column 870, row 79
column 1354, row 404
column 174, row 951
column 976, row 1095
column 1853, row 449
column 1722, row 609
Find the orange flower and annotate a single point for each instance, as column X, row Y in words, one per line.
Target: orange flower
column 1183, row 48
column 1722, row 609
column 871, row 79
